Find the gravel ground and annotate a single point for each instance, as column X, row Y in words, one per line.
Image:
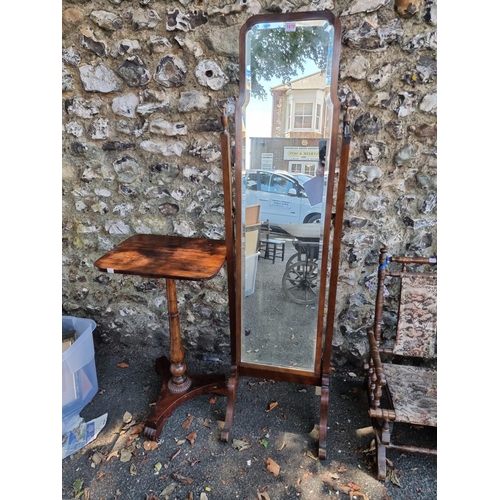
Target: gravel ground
column 191, row 462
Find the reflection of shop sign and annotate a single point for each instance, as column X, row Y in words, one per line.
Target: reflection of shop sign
column 266, row 161
column 280, row 204
column 301, row 153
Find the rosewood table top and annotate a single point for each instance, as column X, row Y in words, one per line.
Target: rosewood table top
column 162, row 256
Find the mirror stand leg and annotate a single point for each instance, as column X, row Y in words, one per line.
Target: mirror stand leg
column 232, row 385
column 325, row 394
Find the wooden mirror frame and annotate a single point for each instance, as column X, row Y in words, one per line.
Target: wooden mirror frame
column 330, row 254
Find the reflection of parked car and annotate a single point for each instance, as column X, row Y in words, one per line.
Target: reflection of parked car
column 281, row 197
column 302, row 177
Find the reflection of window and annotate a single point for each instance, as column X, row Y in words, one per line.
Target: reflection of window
column 318, row 116
column 304, row 110
column 251, row 182
column 302, row 117
column 280, row 185
column 264, row 181
column 310, row 168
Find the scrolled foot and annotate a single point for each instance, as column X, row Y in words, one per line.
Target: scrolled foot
column 149, row 433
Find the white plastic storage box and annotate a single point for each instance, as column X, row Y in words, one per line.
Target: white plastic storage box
column 79, row 377
column 250, row 273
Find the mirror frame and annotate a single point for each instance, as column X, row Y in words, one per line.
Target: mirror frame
column 323, row 335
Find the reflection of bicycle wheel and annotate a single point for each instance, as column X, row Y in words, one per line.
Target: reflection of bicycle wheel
column 300, row 282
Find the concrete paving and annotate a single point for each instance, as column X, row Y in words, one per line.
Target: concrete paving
column 191, row 462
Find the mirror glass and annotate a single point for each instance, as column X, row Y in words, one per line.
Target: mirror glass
column 286, row 122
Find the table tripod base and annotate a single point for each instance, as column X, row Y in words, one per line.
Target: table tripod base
column 169, row 401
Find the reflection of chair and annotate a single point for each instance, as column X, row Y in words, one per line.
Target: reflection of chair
column 403, row 388
column 270, row 248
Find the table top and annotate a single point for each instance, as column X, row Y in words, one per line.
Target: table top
column 162, row 256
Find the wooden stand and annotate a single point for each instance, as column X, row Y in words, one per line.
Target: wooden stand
column 173, row 258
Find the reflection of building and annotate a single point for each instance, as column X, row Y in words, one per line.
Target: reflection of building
column 298, row 123
column 298, row 107
column 294, row 155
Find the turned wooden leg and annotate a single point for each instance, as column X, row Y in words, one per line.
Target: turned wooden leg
column 179, row 382
column 323, row 419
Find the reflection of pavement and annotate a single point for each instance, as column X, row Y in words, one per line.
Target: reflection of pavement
column 277, row 330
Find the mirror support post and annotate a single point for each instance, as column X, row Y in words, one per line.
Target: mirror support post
column 230, row 259
column 337, row 240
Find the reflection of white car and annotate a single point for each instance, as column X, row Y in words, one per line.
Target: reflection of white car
column 281, row 197
column 302, row 177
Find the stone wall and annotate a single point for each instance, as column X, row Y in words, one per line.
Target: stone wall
column 143, row 81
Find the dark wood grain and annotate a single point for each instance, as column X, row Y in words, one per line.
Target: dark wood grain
column 162, row 256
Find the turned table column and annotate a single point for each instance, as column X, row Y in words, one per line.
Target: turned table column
column 180, row 382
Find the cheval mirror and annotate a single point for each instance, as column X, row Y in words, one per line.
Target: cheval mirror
column 286, row 180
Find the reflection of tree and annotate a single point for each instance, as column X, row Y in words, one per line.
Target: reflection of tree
column 276, row 53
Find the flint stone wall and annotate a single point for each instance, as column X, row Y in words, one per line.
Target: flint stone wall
column 143, row 82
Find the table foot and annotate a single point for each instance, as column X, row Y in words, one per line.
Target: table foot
column 169, row 401
column 325, row 394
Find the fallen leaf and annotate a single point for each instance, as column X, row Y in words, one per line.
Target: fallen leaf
column 133, row 470
column 168, row 489
column 123, row 365
column 283, row 444
column 100, row 475
column 191, row 437
column 328, row 481
column 127, row 417
column 354, row 486
column 213, row 399
column 206, row 423
column 187, row 423
column 125, row 456
column 310, row 454
column 77, row 487
column 273, row 467
column 157, row 466
column 176, row 454
column 86, row 494
column 181, row 479
column 97, row 458
column 357, row 494
column 263, row 496
column 150, row 445
column 341, row 468
column 151, row 496
column 394, row 478
column 272, row 406
column 137, row 429
column 264, row 443
column 314, row 434
column 112, row 454
column 240, row 445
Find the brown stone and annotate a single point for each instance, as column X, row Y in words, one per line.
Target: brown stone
column 71, row 18
column 407, row 8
